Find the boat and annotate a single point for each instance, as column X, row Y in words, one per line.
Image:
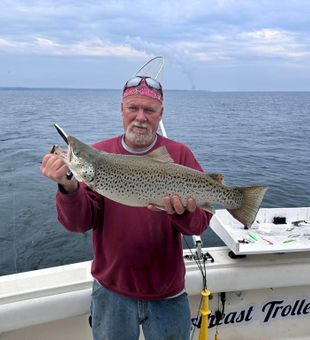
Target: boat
column 259, row 282
column 259, row 289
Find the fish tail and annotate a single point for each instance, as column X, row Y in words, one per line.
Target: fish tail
column 252, row 199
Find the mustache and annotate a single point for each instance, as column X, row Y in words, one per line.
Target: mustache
column 139, row 124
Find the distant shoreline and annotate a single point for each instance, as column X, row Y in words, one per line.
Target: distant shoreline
column 25, row 88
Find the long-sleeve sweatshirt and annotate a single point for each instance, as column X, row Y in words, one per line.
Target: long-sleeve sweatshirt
column 137, row 252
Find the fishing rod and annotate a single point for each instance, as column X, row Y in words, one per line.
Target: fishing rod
column 153, row 69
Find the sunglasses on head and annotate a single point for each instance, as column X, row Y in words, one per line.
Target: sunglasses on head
column 150, row 82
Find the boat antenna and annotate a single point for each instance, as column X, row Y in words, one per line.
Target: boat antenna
column 153, row 68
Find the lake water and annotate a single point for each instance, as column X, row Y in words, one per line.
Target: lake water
column 251, row 137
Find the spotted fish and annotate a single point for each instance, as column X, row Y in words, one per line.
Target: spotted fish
column 141, row 180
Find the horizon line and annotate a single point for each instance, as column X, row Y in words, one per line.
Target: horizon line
column 111, row 89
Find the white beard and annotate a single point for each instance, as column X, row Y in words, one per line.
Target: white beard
column 143, row 137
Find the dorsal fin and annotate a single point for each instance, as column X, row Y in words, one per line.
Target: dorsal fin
column 160, row 154
column 217, row 177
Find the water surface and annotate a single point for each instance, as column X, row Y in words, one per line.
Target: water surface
column 251, row 137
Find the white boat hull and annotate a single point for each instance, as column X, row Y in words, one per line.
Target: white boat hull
column 267, row 297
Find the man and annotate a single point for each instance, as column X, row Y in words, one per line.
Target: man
column 138, row 265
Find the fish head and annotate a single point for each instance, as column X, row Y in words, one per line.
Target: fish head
column 80, row 160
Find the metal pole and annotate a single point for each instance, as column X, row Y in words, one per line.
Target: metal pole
column 155, row 76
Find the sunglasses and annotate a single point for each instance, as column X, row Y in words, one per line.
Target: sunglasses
column 150, row 82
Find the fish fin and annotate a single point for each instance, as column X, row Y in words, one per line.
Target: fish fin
column 252, row 199
column 207, row 207
column 161, row 154
column 217, row 177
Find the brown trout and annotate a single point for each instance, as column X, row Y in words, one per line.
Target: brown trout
column 142, row 180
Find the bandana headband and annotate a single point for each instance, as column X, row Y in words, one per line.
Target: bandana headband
column 143, row 89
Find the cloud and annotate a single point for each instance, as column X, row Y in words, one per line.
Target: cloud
column 193, row 35
column 162, row 23
column 153, row 20
column 264, row 43
column 224, row 47
column 230, row 46
column 276, row 43
column 45, row 46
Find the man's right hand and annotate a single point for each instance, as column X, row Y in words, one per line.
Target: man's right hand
column 56, row 169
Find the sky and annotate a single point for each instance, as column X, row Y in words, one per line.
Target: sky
column 223, row 45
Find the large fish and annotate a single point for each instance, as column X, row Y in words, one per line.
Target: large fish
column 142, row 180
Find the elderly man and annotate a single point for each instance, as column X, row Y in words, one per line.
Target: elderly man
column 138, row 265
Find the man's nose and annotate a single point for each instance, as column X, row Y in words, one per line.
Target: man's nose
column 141, row 115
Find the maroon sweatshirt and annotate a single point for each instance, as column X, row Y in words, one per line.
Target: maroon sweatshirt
column 137, row 252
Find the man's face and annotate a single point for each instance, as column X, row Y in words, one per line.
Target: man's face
column 141, row 116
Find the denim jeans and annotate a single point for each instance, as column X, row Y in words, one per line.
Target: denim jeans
column 117, row 317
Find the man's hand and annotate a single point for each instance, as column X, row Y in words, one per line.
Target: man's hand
column 56, row 169
column 173, row 205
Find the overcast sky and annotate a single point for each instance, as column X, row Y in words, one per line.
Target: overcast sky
column 222, row 45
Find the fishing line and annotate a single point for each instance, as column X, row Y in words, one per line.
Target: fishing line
column 203, row 270
column 198, row 263
column 14, row 222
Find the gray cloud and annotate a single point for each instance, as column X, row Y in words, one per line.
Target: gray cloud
column 191, row 34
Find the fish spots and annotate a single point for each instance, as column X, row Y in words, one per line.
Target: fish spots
column 138, row 180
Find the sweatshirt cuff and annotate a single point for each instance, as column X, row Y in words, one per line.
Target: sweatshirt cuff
column 191, row 223
column 63, row 191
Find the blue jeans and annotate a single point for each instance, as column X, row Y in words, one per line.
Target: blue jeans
column 117, row 317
